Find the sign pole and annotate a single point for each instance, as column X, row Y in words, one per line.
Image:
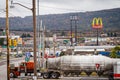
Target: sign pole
column 97, row 37
column 97, row 24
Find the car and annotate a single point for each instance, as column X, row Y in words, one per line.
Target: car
column 18, row 55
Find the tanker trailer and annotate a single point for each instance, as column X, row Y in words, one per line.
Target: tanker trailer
column 78, row 63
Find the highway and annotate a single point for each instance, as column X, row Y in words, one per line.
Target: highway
column 3, row 67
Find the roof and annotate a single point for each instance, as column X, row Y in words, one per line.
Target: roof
column 86, row 47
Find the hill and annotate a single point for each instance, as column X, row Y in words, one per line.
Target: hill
column 111, row 20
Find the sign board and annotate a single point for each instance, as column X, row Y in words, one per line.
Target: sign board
column 97, row 23
column 97, row 66
column 27, row 56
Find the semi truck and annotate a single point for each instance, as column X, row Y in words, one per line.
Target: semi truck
column 23, row 68
column 74, row 65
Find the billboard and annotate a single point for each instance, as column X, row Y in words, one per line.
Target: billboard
column 97, row 23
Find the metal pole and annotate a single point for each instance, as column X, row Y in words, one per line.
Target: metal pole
column 41, row 29
column 7, row 37
column 38, row 25
column 34, row 38
column 75, row 32
column 43, row 47
column 71, row 32
column 97, row 37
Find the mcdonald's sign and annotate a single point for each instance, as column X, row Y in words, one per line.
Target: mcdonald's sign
column 97, row 23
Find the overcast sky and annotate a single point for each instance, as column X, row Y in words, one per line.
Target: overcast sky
column 58, row 6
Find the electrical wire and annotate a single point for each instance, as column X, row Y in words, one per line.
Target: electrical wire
column 63, row 9
column 3, row 11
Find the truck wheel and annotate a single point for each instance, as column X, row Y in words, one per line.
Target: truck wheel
column 88, row 73
column 25, row 74
column 65, row 74
column 77, row 73
column 54, row 75
column 46, row 75
column 12, row 75
column 100, row 73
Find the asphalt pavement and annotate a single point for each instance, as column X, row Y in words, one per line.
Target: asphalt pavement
column 68, row 78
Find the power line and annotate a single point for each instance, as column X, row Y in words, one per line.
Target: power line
column 59, row 8
column 11, row 14
column 66, row 9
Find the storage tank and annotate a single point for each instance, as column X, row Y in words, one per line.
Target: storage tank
column 78, row 63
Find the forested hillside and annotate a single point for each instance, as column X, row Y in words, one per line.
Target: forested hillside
column 111, row 20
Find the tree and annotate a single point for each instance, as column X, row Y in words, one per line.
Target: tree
column 23, row 35
column 62, row 33
column 114, row 52
column 28, row 35
column 2, row 41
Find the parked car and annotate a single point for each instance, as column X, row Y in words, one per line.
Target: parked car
column 18, row 55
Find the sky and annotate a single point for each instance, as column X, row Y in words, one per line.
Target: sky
column 57, row 6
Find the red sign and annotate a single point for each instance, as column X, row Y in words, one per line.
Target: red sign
column 97, row 65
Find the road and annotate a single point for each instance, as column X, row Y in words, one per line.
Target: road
column 69, row 78
column 3, row 67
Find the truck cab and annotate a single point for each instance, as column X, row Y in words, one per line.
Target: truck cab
column 23, row 68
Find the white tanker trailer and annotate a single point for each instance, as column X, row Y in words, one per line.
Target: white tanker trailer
column 78, row 63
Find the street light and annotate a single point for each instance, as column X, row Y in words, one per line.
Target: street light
column 71, row 29
column 33, row 9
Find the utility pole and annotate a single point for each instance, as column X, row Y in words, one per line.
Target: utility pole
column 34, row 31
column 34, row 38
column 7, row 37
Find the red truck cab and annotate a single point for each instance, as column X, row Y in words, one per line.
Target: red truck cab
column 24, row 67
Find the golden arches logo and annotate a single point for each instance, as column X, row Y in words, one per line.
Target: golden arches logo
column 97, row 23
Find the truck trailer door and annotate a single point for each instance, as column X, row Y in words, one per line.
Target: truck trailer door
column 117, row 70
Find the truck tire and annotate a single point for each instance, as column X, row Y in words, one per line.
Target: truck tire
column 66, row 74
column 100, row 73
column 88, row 73
column 110, row 76
column 55, row 75
column 46, row 75
column 12, row 75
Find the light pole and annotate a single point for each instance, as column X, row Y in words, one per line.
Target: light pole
column 74, row 19
column 71, row 29
column 33, row 9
